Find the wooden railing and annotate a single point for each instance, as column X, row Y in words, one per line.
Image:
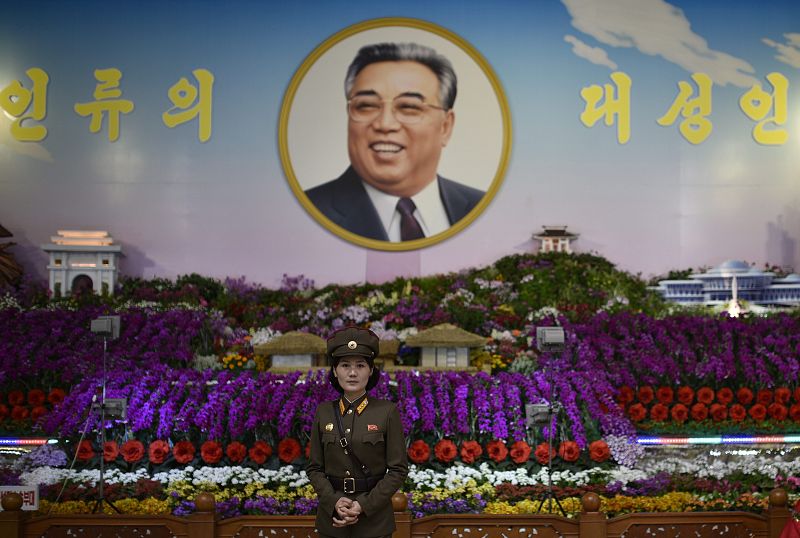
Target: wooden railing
column 591, row 523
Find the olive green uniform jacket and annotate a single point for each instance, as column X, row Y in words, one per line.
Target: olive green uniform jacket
column 375, row 435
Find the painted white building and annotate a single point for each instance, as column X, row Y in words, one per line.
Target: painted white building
column 555, row 239
column 82, row 261
column 716, row 287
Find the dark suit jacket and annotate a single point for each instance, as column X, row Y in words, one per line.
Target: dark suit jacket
column 346, row 203
column 376, row 437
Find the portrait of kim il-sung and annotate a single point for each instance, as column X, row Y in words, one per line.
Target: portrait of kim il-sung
column 399, row 103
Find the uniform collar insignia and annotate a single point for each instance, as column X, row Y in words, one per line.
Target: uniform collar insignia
column 362, row 406
column 342, row 408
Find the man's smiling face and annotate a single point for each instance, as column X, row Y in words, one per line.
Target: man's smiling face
column 398, row 158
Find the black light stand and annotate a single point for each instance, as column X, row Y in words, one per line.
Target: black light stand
column 106, row 327
column 548, row 340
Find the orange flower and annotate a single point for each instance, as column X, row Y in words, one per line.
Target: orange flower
column 659, row 412
column 260, row 452
column 625, row 395
column 419, row 451
column 599, row 451
column 764, row 397
column 183, row 452
column 544, row 453
column 520, row 452
column 777, row 411
column 288, row 450
column 758, row 412
column 158, row 451
column 705, row 395
column 737, row 412
column 665, row 395
column 211, row 452
column 470, row 451
column 645, row 394
column 744, row 396
column 685, row 395
column 725, row 396
column 783, row 395
column 445, row 451
column 679, row 413
column 699, row 411
column 569, row 451
column 496, row 450
column 132, row 450
column 236, row 452
column 85, row 451
column 637, row 412
column 719, row 412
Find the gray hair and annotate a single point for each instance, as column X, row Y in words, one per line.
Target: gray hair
column 407, row 52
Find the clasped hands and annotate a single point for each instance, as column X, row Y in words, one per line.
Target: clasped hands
column 347, row 511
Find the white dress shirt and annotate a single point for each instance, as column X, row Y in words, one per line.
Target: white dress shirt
column 430, row 212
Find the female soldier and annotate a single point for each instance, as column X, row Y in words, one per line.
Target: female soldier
column 358, row 453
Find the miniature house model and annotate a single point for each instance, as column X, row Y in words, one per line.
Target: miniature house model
column 82, row 261
column 555, row 239
column 294, row 350
column 445, row 346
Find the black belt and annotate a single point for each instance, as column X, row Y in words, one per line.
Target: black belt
column 353, row 485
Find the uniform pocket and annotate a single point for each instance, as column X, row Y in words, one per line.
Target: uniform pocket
column 374, row 438
column 328, row 438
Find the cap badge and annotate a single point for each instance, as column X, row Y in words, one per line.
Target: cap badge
column 329, row 427
column 352, row 344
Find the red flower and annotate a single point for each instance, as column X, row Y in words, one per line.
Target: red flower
column 705, row 395
column 764, row 397
column 794, row 412
column 625, row 395
column 777, row 411
column 183, row 452
column 544, row 453
column 496, row 450
column 659, row 412
column 470, row 451
column 725, row 396
column 699, row 411
column 85, row 451
column 260, row 452
column 758, row 412
column 158, row 451
column 16, row 397
column 521, row 451
column 445, row 450
column 19, row 412
column 737, row 412
column 211, row 451
column 685, row 395
column 744, row 396
column 783, row 395
column 36, row 397
column 679, row 413
column 645, row 394
column 288, row 450
column 3, row 411
column 38, row 412
column 132, row 451
column 56, row 396
column 719, row 412
column 236, row 451
column 599, row 451
column 569, row 451
column 110, row 451
column 419, row 451
column 796, row 395
column 637, row 412
column 665, row 395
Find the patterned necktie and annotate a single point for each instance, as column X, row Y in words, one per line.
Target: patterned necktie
column 409, row 226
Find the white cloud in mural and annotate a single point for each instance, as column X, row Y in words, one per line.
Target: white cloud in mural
column 596, row 55
column 788, row 53
column 657, row 28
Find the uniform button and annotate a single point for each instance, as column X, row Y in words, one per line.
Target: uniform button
column 349, row 411
column 347, row 473
column 347, row 430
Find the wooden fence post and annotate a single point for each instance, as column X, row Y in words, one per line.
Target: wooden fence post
column 592, row 521
column 203, row 523
column 401, row 516
column 12, row 517
column 778, row 513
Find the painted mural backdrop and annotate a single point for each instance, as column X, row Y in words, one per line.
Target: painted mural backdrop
column 666, row 133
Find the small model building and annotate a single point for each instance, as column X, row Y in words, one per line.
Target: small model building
column 294, row 350
column 82, row 262
column 445, row 345
column 555, row 239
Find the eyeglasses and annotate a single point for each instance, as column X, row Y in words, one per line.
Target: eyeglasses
column 405, row 109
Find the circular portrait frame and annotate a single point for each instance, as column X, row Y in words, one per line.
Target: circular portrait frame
column 312, row 133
